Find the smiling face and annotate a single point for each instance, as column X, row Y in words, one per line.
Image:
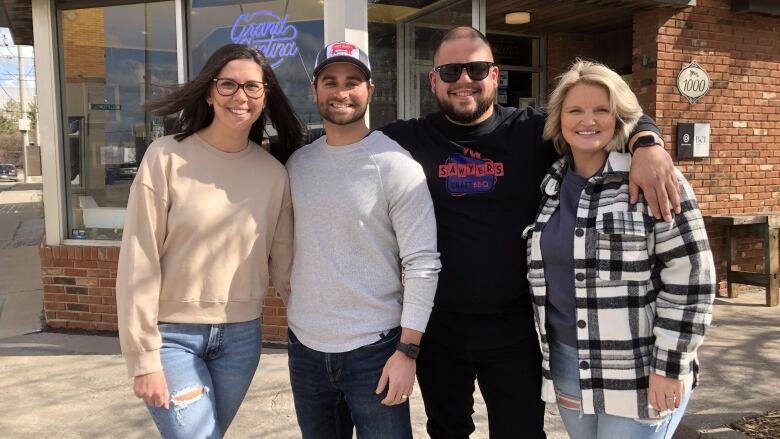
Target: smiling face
column 587, row 119
column 237, row 112
column 465, row 101
column 342, row 94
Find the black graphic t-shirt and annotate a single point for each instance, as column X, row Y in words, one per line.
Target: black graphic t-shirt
column 484, row 181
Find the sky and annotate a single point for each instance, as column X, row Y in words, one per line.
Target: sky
column 9, row 69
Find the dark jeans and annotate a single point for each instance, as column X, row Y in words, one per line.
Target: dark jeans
column 510, row 380
column 333, row 391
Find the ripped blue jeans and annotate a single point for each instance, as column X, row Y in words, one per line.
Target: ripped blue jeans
column 566, row 379
column 208, row 369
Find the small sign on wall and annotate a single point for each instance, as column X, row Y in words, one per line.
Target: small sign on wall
column 693, row 140
column 693, row 82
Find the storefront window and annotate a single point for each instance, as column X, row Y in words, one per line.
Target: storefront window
column 289, row 33
column 411, row 28
column 114, row 58
column 519, row 61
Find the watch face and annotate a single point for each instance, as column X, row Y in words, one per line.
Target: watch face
column 646, row 141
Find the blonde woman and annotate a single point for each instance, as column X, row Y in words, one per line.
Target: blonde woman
column 621, row 300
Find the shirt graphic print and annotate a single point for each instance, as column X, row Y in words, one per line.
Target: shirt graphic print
column 468, row 173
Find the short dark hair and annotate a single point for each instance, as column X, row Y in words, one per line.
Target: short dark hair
column 462, row 32
column 196, row 114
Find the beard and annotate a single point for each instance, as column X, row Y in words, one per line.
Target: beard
column 324, row 110
column 466, row 116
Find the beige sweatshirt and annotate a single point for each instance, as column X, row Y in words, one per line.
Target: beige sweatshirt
column 205, row 230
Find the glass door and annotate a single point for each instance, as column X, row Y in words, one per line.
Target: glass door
column 520, row 66
column 422, row 32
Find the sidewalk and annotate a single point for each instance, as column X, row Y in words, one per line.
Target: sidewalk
column 73, row 386
column 21, row 229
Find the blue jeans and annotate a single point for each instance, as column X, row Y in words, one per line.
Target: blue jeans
column 566, row 379
column 218, row 361
column 334, row 391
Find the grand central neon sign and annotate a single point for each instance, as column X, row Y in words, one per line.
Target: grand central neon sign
column 268, row 33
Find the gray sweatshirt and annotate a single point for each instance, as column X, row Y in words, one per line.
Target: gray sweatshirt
column 363, row 217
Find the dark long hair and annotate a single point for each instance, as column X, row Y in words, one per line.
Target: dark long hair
column 196, row 114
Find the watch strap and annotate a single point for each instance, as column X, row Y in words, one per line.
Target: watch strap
column 410, row 350
column 644, row 142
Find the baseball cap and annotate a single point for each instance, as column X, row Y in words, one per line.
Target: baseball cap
column 342, row 51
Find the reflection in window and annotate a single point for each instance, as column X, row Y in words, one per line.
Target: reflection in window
column 413, row 28
column 289, row 33
column 114, row 59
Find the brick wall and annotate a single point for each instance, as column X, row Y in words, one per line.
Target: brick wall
column 741, row 54
column 79, row 291
column 78, row 287
column 562, row 49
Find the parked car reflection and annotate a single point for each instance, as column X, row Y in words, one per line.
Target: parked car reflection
column 8, row 172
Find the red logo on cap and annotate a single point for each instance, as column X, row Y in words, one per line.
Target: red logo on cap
column 342, row 48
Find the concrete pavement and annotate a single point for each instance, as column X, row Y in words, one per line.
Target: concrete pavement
column 21, row 229
column 75, row 386
column 72, row 386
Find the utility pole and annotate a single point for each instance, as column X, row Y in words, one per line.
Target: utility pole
column 23, row 114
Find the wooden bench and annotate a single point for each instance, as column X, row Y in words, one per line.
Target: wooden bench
column 765, row 227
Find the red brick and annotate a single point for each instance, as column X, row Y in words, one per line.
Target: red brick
column 102, row 309
column 62, row 263
column 90, row 299
column 275, row 320
column 98, row 273
column 87, row 281
column 111, row 265
column 77, row 272
column 52, row 271
column 67, row 315
column 54, row 289
column 86, row 263
column 101, row 291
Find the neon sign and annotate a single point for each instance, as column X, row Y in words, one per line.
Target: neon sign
column 268, row 33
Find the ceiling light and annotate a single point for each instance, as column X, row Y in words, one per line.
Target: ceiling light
column 517, row 18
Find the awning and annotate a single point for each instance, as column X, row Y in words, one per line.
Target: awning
column 17, row 16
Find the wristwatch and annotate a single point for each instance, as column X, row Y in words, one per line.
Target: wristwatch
column 411, row 350
column 645, row 141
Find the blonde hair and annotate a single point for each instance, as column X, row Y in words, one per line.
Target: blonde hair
column 622, row 101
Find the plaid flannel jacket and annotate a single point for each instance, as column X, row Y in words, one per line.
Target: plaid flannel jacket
column 644, row 290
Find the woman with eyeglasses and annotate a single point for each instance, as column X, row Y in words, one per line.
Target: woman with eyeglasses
column 209, row 221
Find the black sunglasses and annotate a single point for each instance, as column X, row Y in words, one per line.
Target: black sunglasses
column 477, row 70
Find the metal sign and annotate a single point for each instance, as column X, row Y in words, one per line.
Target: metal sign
column 693, row 82
column 693, row 140
column 105, row 107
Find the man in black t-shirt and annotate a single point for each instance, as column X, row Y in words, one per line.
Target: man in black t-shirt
column 484, row 164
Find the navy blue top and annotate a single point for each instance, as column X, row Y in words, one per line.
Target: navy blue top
column 557, row 244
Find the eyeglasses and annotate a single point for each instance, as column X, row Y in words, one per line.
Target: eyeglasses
column 229, row 87
column 477, row 70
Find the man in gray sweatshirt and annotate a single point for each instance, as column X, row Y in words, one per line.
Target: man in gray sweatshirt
column 365, row 264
